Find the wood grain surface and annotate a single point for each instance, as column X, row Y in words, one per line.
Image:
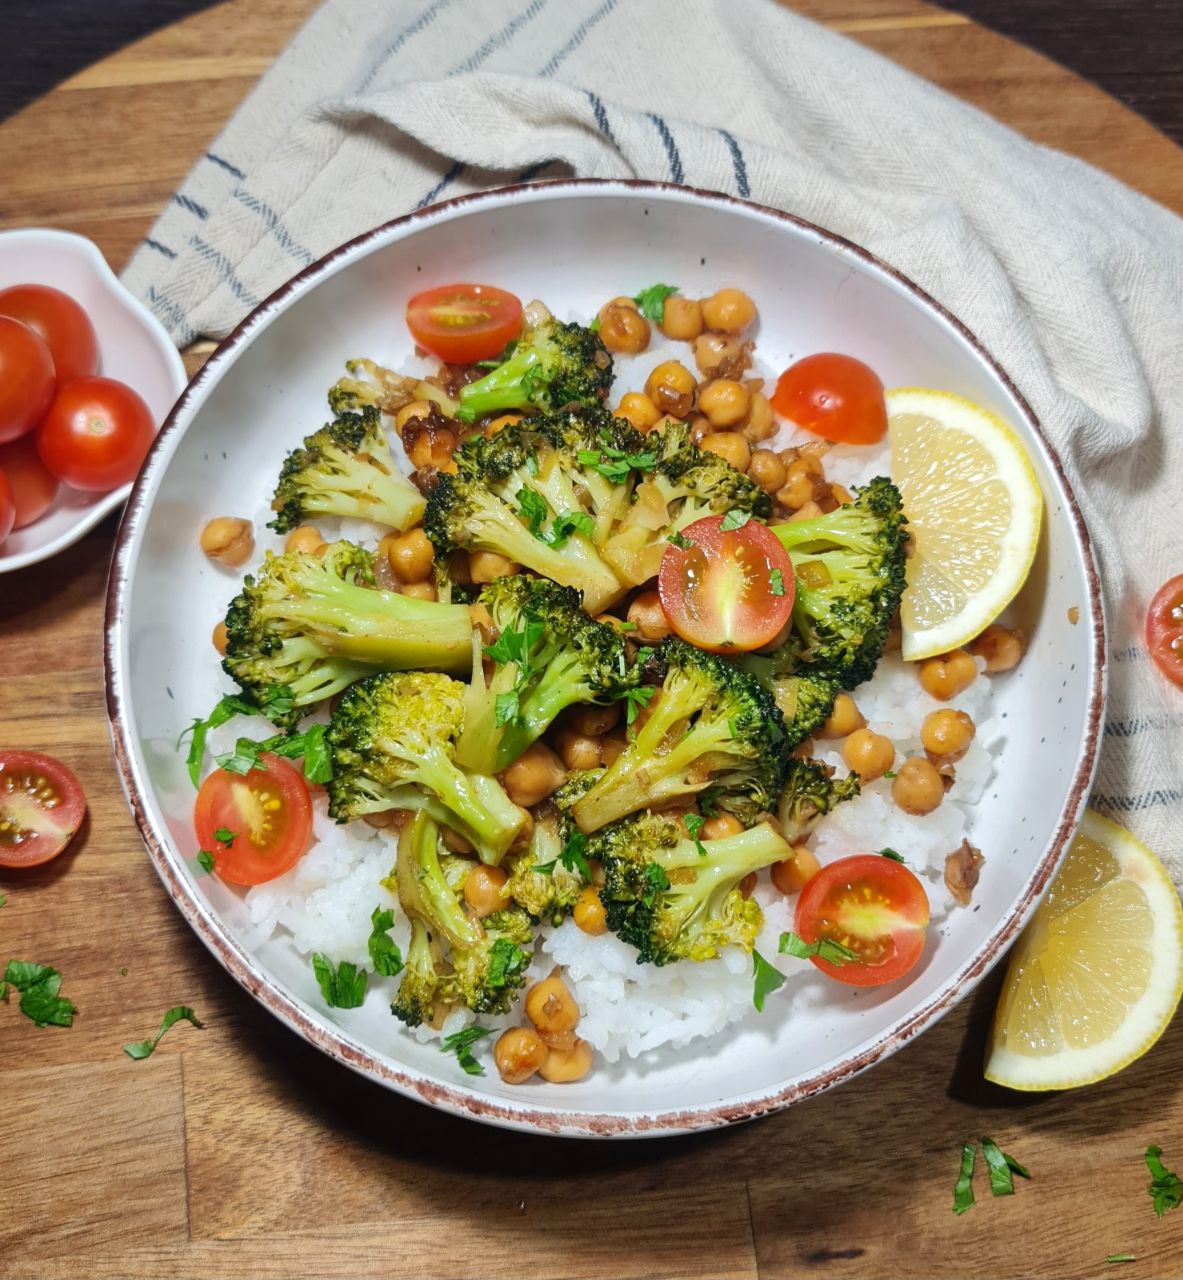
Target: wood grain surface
column 238, row 1151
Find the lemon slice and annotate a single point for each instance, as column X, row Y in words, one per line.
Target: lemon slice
column 974, row 509
column 1096, row 975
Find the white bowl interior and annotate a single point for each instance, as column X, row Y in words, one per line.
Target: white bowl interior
column 574, row 247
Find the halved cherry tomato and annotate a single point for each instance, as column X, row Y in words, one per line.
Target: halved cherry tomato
column 33, row 485
column 462, row 323
column 1164, row 629
column 871, row 904
column 7, row 507
column 834, row 396
column 60, row 322
column 26, row 379
column 96, row 434
column 41, row 807
column 268, row 813
column 727, row 590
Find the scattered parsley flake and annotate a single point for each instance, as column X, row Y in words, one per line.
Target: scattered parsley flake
column 707, row 801
column 205, row 860
column 656, row 882
column 694, row 824
column 890, row 853
column 573, row 857
column 460, row 1043
column 734, row 519
column 123, row 972
column 534, row 510
column 311, row 744
column 505, row 960
column 146, row 1048
column 1120, row 1257
column 651, row 302
column 3, row 899
column 766, row 979
column 229, row 706
column 792, row 944
column 963, row 1191
column 562, row 527
column 343, row 986
column 776, row 581
column 223, row 835
column 889, row 773
column 1165, row 1190
column 39, row 986
column 278, row 701
column 1001, row 1168
column 385, row 956
column 635, row 699
column 626, row 626
column 681, row 541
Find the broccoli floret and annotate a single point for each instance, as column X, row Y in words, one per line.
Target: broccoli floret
column 686, row 484
column 314, row 624
column 849, row 571
column 345, row 469
column 371, row 384
column 414, row 1002
column 674, row 898
column 708, row 725
column 810, row 792
column 551, row 894
column 805, row 696
column 547, row 656
column 552, row 365
column 487, row 976
column 392, row 731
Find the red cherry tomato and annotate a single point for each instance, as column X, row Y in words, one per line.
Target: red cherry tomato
column 727, row 590
column 871, row 904
column 41, row 807
column 60, row 322
column 834, row 396
column 33, row 486
column 7, row 507
column 26, row 379
column 96, row 434
column 1164, row 630
column 463, row 323
column 264, row 817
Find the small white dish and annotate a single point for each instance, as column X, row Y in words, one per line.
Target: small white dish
column 133, row 347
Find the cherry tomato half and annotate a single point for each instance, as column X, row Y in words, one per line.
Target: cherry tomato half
column 834, row 396
column 26, row 379
column 1164, row 630
column 462, row 323
column 871, row 904
column 41, row 807
column 60, row 322
column 7, row 507
column 727, row 590
column 33, row 485
column 268, row 813
column 96, row 434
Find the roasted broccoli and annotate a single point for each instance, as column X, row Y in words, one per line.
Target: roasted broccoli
column 674, row 898
column 548, row 655
column 345, row 469
column 810, row 792
column 805, row 696
column 414, row 1002
column 548, row 894
column 552, row 365
column 849, row 571
column 371, row 384
column 314, row 624
column 393, row 734
column 708, row 725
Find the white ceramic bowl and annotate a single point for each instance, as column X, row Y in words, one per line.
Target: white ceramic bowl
column 575, row 244
column 133, row 346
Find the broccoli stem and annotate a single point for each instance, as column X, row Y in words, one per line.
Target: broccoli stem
column 501, row 388
column 423, row 889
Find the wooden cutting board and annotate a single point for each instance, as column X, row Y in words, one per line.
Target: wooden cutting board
column 239, row 1151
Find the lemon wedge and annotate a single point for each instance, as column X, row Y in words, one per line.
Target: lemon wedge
column 1097, row 974
column 974, row 510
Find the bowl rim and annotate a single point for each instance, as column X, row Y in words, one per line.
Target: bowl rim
column 88, row 517
column 460, row 1099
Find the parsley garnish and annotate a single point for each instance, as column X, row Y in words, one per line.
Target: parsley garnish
column 614, row 464
column 694, row 824
column 656, row 881
column 384, row 953
column 3, row 899
column 343, row 986
column 889, row 773
column 734, row 519
column 39, row 986
column 1001, row 1168
column 505, row 959
column 626, row 626
column 792, row 944
column 681, row 541
column 766, row 979
column 963, row 1190
column 1121, row 1257
column 635, row 699
column 1165, row 1190
column 562, row 527
column 205, row 860
column 651, row 301
column 229, row 706
column 506, row 706
column 533, row 508
column 311, row 744
column 890, row 853
column 223, row 835
column 278, row 701
column 776, row 582
column 573, row 857
column 707, row 801
column 146, row 1048
column 460, row 1043
column 514, row 647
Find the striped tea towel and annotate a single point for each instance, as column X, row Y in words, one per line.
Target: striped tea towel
column 1072, row 280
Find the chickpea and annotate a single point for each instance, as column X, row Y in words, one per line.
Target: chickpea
column 592, row 721
column 411, row 556
column 731, row 447
column 228, row 541
column 918, row 788
column 577, row 751
column 420, row 590
column 681, row 318
column 623, row 329
column 482, row 890
column 612, row 747
column 564, row 1068
column 843, row 720
column 840, row 495
column 518, row 1053
column 550, row 1006
column 767, row 470
column 714, row 352
column 868, row 754
column 729, row 310
column 725, row 402
column 563, row 1041
column 760, row 423
column 808, row 512
column 589, row 913
column 1000, row 647
column 671, row 388
column 794, row 873
column 946, row 735
column 488, row 566
column 803, row 483
column 646, row 614
column 385, row 820
column 220, row 638
column 305, row 537
column 947, row 676
column 638, row 409
column 721, row 826
column 748, row 884
column 700, row 428
column 534, row 775
column 455, row 841
column 430, row 448
column 416, row 409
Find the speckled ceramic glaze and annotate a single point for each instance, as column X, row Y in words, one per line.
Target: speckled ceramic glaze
column 575, row 244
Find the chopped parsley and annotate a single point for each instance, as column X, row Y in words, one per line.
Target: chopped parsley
column 694, row 824
column 656, row 881
column 3, row 899
column 229, row 706
column 635, row 700
column 681, row 541
column 734, row 519
column 514, row 646
column 385, row 956
column 963, row 1190
column 205, row 860
column 146, row 1048
column 1120, row 1257
column 562, row 527
column 766, row 979
column 343, row 986
column 573, row 857
column 533, row 508
column 505, row 960
column 309, row 744
column 1001, row 1168
column 792, row 944
column 651, row 302
column 460, row 1043
column 890, row 853
column 776, row 582
column 223, row 835
column 707, row 801
column 39, row 986
column 1165, row 1190
column 615, row 464
column 889, row 773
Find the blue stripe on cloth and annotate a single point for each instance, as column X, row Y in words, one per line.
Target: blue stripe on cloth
column 171, row 314
column 502, row 37
column 277, row 229
column 225, row 164
column 737, row 163
column 424, row 20
column 1132, row 654
column 1135, row 804
column 192, row 206
column 226, row 267
column 160, row 248
column 671, row 147
column 1128, row 728
column 453, row 173
column 601, row 115
column 532, row 171
column 577, row 37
